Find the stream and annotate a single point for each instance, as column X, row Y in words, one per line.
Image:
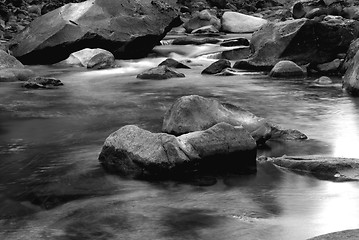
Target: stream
column 53, row 187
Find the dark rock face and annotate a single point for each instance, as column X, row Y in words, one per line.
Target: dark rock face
column 196, row 113
column 301, row 41
column 137, row 153
column 128, row 29
column 170, row 62
column 159, row 73
column 338, row 169
column 350, row 79
column 236, row 42
column 286, row 69
column 298, row 10
column 42, row 82
column 194, row 41
column 217, row 67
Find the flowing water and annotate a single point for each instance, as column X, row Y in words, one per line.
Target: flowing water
column 52, row 186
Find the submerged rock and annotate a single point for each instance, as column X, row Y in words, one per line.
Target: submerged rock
column 137, row 153
column 286, row 69
column 128, row 29
column 196, row 113
column 235, row 22
column 42, row 82
column 170, row 62
column 329, row 168
column 159, row 73
column 217, row 67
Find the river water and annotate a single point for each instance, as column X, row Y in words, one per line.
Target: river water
column 52, row 186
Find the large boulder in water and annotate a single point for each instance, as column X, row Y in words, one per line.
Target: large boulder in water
column 128, row 29
column 235, row 22
column 12, row 70
column 135, row 152
column 286, row 69
column 350, row 79
column 196, row 113
column 302, row 41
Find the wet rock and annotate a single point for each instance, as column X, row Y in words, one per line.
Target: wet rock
column 330, row 67
column 42, row 82
column 194, row 41
column 350, row 79
column 128, row 29
column 196, row 113
column 81, row 58
column 280, row 134
column 235, row 22
column 170, row 62
column 205, row 30
column 347, row 235
column 327, row 168
column 236, row 54
column 102, row 60
column 323, row 81
column 286, row 69
column 201, row 19
column 12, row 70
column 302, row 41
column 298, row 10
column 349, row 58
column 137, row 153
column 159, row 73
column 217, row 67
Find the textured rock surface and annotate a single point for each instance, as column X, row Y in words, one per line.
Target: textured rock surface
column 42, row 82
column 201, row 19
column 134, row 152
column 81, row 58
column 350, row 79
column 217, row 67
column 129, row 29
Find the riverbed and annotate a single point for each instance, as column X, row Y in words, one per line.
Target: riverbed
column 52, row 186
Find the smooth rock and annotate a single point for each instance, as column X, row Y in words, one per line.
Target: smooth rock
column 42, row 82
column 298, row 10
column 170, row 62
column 159, row 73
column 349, row 58
column 350, row 79
column 138, row 153
column 102, row 61
column 196, row 113
column 81, row 58
column 286, row 69
column 302, row 41
column 8, row 61
column 327, row 168
column 201, row 19
column 235, row 22
column 217, row 67
column 128, row 29
column 343, row 235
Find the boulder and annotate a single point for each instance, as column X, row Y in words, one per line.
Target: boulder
column 128, row 29
column 347, row 235
column 302, row 41
column 351, row 12
column 350, row 79
column 170, row 62
column 328, row 168
column 137, row 153
column 286, row 69
column 332, row 67
column 159, row 73
column 13, row 70
column 217, row 67
column 102, row 61
column 201, row 19
column 323, row 82
column 235, row 22
column 42, row 82
column 196, row 113
column 349, row 58
column 81, row 58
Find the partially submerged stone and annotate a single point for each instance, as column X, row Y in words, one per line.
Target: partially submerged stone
column 42, row 82
column 217, row 67
column 286, row 69
column 160, row 73
column 329, row 168
column 137, row 153
column 170, row 62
